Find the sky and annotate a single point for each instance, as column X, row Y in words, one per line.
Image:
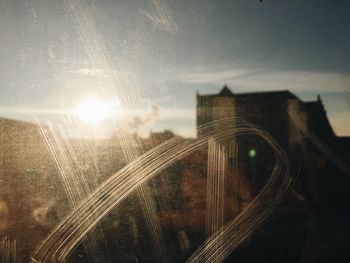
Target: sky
column 152, row 56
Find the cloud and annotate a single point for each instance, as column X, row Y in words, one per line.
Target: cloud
column 259, row 79
column 176, row 114
column 142, row 119
column 88, row 71
column 186, row 132
column 94, row 72
column 215, row 77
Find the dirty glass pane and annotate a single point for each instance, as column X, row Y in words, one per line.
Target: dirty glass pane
column 174, row 131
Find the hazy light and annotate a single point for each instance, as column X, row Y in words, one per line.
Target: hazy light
column 252, row 153
column 95, row 110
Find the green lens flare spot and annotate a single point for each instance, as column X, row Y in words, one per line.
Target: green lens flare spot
column 252, row 153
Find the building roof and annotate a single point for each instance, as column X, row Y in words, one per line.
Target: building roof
column 269, row 94
column 226, row 92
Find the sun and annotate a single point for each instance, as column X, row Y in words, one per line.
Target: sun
column 94, row 110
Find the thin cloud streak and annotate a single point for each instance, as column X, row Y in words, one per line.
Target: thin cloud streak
column 97, row 72
column 257, row 80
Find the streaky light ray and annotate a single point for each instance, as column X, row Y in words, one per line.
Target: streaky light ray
column 65, row 237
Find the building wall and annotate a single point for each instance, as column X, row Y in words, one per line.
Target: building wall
column 204, row 113
column 253, row 156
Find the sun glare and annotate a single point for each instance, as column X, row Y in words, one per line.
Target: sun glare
column 94, row 110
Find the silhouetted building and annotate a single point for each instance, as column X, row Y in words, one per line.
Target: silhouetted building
column 26, row 169
column 275, row 112
column 25, row 160
column 316, row 156
column 296, row 126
